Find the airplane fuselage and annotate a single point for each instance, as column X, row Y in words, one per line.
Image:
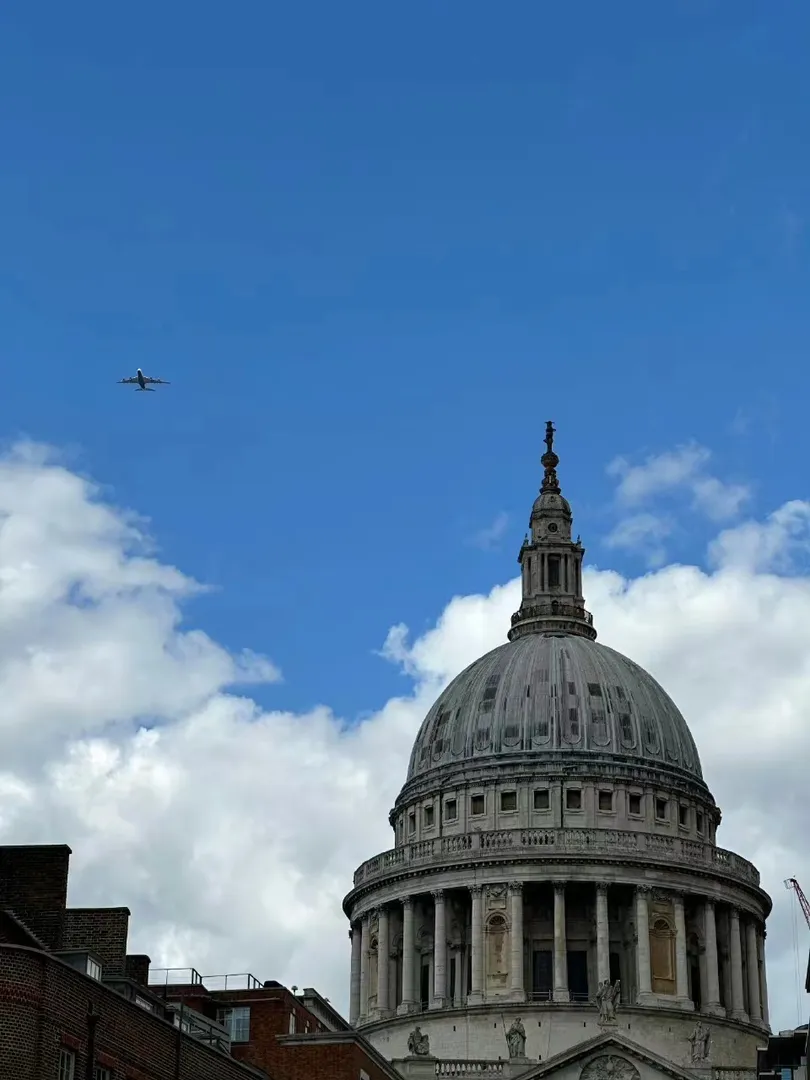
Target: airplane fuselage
column 141, row 381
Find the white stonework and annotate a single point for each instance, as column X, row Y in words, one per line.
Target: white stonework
column 554, row 833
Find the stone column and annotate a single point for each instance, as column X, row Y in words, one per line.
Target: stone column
column 752, row 959
column 461, row 983
column 365, row 941
column 560, row 944
column 643, row 943
column 712, row 1002
column 383, row 960
column 737, row 1000
column 516, row 964
column 439, row 951
column 477, row 951
column 763, row 981
column 602, row 934
column 354, row 986
column 681, row 971
column 408, row 1000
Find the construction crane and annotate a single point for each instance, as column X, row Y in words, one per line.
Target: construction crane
column 804, row 903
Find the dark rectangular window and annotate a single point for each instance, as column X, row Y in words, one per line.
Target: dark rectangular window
column 634, row 804
column 683, row 817
column 452, row 989
column 451, row 810
column 594, row 689
column 542, row 799
column 578, row 975
column 424, row 983
column 573, row 799
column 606, row 801
column 542, row 974
column 411, row 823
column 508, row 801
column 554, row 571
column 428, row 817
column 615, row 967
column 661, row 809
column 699, row 821
column 477, row 804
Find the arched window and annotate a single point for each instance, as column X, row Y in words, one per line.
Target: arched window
column 497, row 951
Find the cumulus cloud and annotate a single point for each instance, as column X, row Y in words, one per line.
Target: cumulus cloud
column 232, row 832
column 678, row 471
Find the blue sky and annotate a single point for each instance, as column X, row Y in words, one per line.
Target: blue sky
column 374, row 250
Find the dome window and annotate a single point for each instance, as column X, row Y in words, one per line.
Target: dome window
column 662, row 809
column 683, row 816
column 508, row 802
column 427, row 817
column 477, row 804
column 542, row 799
column 594, row 689
column 606, row 802
column 634, row 804
column 411, row 823
column 573, row 799
column 572, row 731
column 490, row 692
column 451, row 810
column 699, row 823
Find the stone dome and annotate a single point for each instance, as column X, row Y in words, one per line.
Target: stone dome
column 558, row 696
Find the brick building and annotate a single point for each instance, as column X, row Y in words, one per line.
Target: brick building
column 69, row 990
column 291, row 1036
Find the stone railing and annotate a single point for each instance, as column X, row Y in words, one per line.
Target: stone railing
column 552, row 844
column 470, row 1068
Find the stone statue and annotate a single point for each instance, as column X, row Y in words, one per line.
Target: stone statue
column 516, row 1039
column 700, row 1040
column 419, row 1044
column 607, row 998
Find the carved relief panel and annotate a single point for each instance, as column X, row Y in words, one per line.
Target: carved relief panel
column 609, row 1067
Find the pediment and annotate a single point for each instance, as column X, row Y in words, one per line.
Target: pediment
column 607, row 1057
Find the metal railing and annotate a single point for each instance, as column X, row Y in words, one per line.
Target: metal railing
column 553, row 844
column 242, row 980
column 174, row 976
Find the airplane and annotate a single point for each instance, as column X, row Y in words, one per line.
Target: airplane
column 142, row 380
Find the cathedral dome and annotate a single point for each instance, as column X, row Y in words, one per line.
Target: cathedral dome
column 556, row 695
column 552, row 698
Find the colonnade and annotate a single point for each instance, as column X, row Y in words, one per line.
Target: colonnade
column 744, row 934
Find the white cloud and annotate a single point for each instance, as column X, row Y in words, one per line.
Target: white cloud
column 490, row 537
column 232, row 833
column 642, row 532
column 683, row 469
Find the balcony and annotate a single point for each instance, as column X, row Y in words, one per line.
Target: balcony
column 552, row 845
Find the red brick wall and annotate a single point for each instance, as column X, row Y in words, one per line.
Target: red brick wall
column 269, row 1017
column 33, row 883
column 101, row 931
column 341, row 1061
column 44, row 1005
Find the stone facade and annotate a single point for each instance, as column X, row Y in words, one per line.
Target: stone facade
column 555, row 862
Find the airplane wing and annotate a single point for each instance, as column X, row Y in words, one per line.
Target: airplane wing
column 132, row 380
column 159, row 382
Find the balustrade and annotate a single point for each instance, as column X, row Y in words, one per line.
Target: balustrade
column 469, row 1068
column 552, row 843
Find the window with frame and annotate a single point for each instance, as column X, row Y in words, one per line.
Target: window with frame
column 508, row 801
column 634, row 804
column 101, row 1073
column 427, row 817
column 67, row 1064
column 236, row 1021
column 477, row 804
column 93, row 969
column 573, row 798
column 606, row 802
column 292, row 1023
column 411, row 824
column 451, row 810
column 683, row 817
column 542, row 799
column 661, row 807
column 699, row 823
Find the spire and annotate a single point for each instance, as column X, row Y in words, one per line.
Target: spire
column 551, row 563
column 550, row 461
